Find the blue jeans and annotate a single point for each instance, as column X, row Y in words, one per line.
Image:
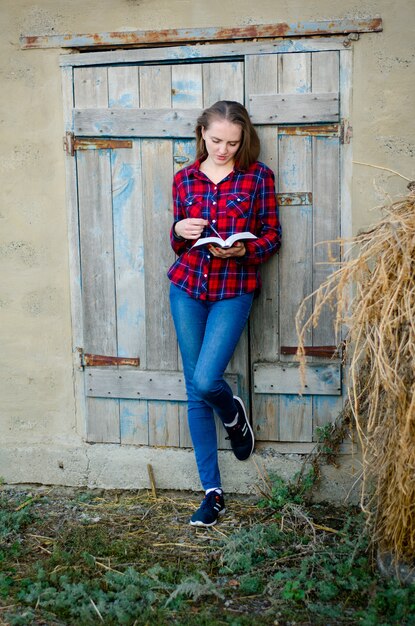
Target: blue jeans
column 208, row 333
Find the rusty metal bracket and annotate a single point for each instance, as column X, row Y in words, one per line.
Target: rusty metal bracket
column 321, row 351
column 295, row 198
column 72, row 143
column 101, row 360
column 310, row 130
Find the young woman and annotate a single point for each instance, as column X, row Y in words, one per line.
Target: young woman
column 225, row 191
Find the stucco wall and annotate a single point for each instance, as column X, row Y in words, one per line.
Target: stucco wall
column 37, row 397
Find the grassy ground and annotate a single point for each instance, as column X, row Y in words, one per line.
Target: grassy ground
column 85, row 557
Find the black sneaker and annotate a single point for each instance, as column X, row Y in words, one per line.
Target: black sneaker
column 212, row 507
column 241, row 435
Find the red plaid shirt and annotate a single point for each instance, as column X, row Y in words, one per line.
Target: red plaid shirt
column 243, row 201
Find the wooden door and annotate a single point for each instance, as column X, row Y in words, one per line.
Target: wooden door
column 125, row 214
column 145, row 114
column 294, row 100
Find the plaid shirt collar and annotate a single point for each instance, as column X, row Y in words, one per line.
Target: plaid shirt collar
column 194, row 169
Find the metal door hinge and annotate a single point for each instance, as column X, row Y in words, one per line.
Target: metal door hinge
column 72, row 143
column 100, row 360
column 346, row 131
column 68, row 142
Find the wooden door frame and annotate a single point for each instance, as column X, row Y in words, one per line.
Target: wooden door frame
column 182, row 54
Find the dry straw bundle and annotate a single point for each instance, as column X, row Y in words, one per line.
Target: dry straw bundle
column 373, row 292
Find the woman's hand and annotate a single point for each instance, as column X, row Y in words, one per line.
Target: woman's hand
column 225, row 253
column 190, row 228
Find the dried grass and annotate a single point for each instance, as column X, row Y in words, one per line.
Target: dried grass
column 373, row 294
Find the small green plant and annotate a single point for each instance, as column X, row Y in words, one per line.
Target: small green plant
column 251, row 584
column 246, row 548
column 196, row 587
column 12, row 519
column 279, row 491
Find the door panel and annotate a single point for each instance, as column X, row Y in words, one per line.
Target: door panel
column 125, row 213
column 308, row 191
column 125, row 216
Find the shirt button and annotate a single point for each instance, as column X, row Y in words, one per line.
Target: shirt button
column 208, row 256
column 205, row 275
column 213, row 202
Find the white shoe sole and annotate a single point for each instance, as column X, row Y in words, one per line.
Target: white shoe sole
column 249, row 426
column 201, row 524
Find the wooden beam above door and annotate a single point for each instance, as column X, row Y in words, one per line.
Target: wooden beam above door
column 197, row 35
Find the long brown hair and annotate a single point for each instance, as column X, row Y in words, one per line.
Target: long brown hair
column 236, row 113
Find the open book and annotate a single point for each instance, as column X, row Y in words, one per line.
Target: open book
column 224, row 243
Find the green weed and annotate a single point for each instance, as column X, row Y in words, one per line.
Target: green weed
column 280, row 491
column 12, row 520
column 248, row 547
column 196, row 587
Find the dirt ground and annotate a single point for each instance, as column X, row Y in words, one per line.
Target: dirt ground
column 79, row 557
column 129, row 529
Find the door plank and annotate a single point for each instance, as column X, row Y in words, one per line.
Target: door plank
column 135, row 122
column 161, row 341
column 296, row 424
column 74, row 258
column 261, row 76
column 326, row 209
column 129, row 271
column 183, row 154
column 98, row 288
column 325, row 71
column 305, row 108
column 135, row 383
column 90, row 87
column 225, row 81
column 327, row 217
column 187, row 93
column 285, row 378
column 126, row 168
column 295, row 174
column 90, row 91
column 187, row 86
column 179, row 54
column 157, row 158
column 123, row 87
column 294, row 73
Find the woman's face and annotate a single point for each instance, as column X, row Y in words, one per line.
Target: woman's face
column 222, row 140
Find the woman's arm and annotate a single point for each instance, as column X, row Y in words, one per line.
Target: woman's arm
column 178, row 243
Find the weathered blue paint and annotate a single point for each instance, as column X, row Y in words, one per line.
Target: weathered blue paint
column 326, row 409
column 124, row 101
column 186, row 92
column 126, row 314
column 290, row 400
column 133, row 419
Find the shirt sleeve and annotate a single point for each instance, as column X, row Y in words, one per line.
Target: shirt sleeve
column 178, row 244
column 269, row 236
